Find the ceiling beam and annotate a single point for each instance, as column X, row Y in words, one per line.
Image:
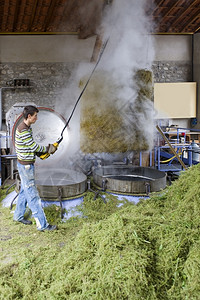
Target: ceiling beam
column 4, row 16
column 69, row 9
column 164, row 17
column 171, row 33
column 177, row 20
column 50, row 13
column 197, row 30
column 39, row 33
column 32, row 15
column 191, row 20
column 23, row 16
column 156, row 13
column 171, row 8
column 16, row 14
column 62, row 18
column 19, row 24
column 158, row 5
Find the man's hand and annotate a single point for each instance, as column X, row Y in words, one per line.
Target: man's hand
column 52, row 149
column 39, row 154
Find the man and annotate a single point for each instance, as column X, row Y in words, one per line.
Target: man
column 27, row 149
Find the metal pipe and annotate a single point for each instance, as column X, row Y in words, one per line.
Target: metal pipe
column 147, row 188
column 60, row 200
column 150, row 158
column 140, row 159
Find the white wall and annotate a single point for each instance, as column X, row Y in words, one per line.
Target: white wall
column 45, row 48
column 173, row 47
column 68, row 48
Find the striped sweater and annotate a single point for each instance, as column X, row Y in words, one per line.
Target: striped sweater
column 25, row 146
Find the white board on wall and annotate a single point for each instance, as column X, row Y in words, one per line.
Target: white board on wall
column 175, row 100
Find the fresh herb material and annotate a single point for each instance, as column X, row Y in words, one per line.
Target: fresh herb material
column 144, row 251
column 110, row 123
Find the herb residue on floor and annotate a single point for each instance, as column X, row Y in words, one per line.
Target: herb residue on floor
column 144, row 251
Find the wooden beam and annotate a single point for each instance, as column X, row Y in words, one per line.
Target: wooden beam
column 32, row 15
column 163, row 21
column 69, row 9
column 157, row 15
column 191, row 20
column 97, row 48
column 197, row 30
column 177, row 20
column 171, row 33
column 17, row 5
column 171, row 8
column 158, row 6
column 50, row 13
column 39, row 33
column 4, row 17
column 160, row 3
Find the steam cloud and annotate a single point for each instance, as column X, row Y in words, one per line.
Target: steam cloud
column 129, row 48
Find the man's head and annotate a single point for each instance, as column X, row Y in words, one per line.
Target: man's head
column 30, row 114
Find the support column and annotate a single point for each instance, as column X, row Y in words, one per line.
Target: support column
column 196, row 72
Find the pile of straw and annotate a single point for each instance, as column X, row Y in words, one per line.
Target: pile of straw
column 110, row 124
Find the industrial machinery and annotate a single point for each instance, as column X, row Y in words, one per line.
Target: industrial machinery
column 58, row 181
column 46, row 131
column 129, row 179
column 178, row 150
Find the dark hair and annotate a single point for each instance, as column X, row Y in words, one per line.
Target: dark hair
column 29, row 110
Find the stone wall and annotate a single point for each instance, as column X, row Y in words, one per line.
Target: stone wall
column 47, row 81
column 172, row 71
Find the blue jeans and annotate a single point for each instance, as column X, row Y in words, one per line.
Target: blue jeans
column 29, row 195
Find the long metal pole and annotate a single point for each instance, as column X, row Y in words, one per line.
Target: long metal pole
column 77, row 101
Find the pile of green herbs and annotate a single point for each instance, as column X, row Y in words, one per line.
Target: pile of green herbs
column 144, row 251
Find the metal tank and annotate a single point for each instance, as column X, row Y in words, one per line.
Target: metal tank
column 60, row 184
column 129, row 179
column 46, row 131
column 54, row 181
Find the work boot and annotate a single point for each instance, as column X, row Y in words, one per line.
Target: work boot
column 50, row 227
column 25, row 222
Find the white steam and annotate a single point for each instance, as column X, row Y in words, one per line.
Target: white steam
column 129, row 48
column 130, row 45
